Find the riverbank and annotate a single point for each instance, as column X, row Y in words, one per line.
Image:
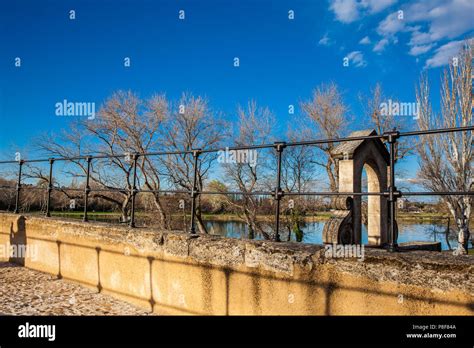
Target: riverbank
column 320, row 216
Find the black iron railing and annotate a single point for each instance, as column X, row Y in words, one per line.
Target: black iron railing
column 392, row 193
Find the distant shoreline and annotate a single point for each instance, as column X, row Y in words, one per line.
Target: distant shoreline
column 423, row 218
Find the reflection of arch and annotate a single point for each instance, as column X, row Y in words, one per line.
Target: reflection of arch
column 354, row 157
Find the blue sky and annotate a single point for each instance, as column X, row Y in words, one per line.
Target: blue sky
column 281, row 60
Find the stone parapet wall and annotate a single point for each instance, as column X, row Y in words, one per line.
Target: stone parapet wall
column 176, row 273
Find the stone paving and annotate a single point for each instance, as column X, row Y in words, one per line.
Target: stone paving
column 27, row 292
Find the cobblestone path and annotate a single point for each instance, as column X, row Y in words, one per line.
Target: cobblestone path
column 27, row 292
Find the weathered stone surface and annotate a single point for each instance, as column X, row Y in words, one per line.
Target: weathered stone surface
column 216, row 250
column 174, row 272
column 431, row 270
column 278, row 257
column 177, row 244
column 438, row 269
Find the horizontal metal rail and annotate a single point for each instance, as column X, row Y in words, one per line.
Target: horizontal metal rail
column 392, row 194
column 251, row 147
column 254, row 193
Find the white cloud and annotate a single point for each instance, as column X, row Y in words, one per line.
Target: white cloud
column 388, row 29
column 357, row 58
column 417, row 50
column 419, row 38
column 346, row 11
column 365, row 41
column 446, row 19
column 380, row 46
column 391, row 25
column 444, row 54
column 428, row 22
column 324, row 40
column 376, row 6
column 443, row 20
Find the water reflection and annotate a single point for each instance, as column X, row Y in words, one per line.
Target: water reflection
column 313, row 231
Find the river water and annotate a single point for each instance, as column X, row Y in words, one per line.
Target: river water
column 313, row 231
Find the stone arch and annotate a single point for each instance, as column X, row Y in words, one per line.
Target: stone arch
column 353, row 157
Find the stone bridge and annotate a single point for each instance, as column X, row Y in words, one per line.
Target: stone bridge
column 179, row 273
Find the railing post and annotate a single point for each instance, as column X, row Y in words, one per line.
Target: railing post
column 134, row 190
column 194, row 191
column 87, row 189
column 18, row 187
column 279, row 146
column 50, row 187
column 393, row 193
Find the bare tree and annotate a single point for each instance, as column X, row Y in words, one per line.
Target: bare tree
column 298, row 176
column 383, row 122
column 217, row 203
column 138, row 130
column 7, row 194
column 191, row 125
column 254, row 127
column 125, row 124
column 328, row 112
column 446, row 160
column 298, row 169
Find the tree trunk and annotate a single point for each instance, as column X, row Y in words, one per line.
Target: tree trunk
column 332, row 169
column 161, row 212
column 248, row 222
column 463, row 236
column 125, row 209
column 200, row 222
